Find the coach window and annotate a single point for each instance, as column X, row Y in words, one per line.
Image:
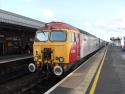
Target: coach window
column 72, row 37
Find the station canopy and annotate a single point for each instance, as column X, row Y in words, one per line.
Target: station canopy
column 12, row 18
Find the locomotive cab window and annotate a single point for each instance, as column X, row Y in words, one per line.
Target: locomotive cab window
column 41, row 36
column 58, row 36
column 72, row 37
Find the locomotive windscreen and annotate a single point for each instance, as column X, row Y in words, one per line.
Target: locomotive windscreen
column 58, row 36
column 41, row 36
column 54, row 35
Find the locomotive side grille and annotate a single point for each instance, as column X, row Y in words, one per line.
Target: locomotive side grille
column 47, row 54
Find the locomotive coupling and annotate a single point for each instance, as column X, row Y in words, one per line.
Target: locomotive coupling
column 58, row 70
column 32, row 67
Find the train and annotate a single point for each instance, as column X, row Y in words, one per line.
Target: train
column 58, row 45
column 123, row 43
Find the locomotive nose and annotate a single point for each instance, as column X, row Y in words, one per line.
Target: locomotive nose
column 58, row 70
column 32, row 67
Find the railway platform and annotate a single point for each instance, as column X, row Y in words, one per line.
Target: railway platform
column 103, row 73
column 112, row 75
column 79, row 80
column 6, row 59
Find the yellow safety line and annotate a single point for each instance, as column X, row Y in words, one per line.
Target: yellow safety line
column 92, row 90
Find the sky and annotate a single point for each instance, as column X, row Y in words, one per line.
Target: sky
column 102, row 18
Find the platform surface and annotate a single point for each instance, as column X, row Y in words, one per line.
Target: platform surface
column 5, row 59
column 112, row 75
column 79, row 80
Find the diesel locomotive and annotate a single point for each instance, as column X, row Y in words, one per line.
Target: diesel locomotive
column 57, row 46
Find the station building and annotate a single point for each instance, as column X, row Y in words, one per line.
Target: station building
column 16, row 33
column 116, row 41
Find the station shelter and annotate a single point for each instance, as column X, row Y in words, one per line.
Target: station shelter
column 17, row 33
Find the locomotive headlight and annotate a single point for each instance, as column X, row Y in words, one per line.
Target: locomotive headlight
column 61, row 59
column 36, row 58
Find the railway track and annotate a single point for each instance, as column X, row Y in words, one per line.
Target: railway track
column 30, row 83
column 46, row 84
column 14, row 69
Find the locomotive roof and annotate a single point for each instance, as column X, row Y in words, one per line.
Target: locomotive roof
column 61, row 25
column 58, row 25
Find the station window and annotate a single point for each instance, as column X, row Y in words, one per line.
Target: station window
column 72, row 37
